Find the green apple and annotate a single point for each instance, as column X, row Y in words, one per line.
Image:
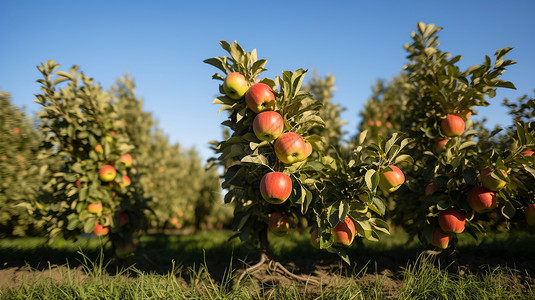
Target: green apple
column 235, row 85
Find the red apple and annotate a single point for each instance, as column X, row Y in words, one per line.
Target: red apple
column 308, row 149
column 440, row 145
column 16, row 130
column 107, row 173
column 451, row 220
column 440, row 238
column 452, row 125
column 391, row 180
column 491, row 183
column 126, row 181
column 482, row 200
column 126, row 159
column 100, row 230
column 123, row 219
column 279, row 225
column 125, row 250
column 276, row 187
column 290, row 148
column 268, row 125
column 344, row 232
column 235, row 85
column 315, row 239
column 530, row 215
column 528, row 153
column 465, row 114
column 99, row 149
column 94, row 208
column 431, row 189
column 259, row 97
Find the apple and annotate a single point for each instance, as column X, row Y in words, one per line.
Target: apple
column 126, row 159
column 268, row 125
column 125, row 250
column 276, row 187
column 126, row 181
column 315, row 239
column 530, row 215
column 431, row 189
column 465, row 114
column 100, row 230
column 173, row 221
column 452, row 125
column 290, row 148
column 235, row 85
column 99, row 149
column 259, row 98
column 94, row 208
column 440, row 145
column 107, row 173
column 482, row 200
column 344, row 232
column 391, row 180
column 440, row 238
column 491, row 183
column 16, row 130
column 308, row 149
column 451, row 220
column 123, row 219
column 279, row 225
column 528, row 153
column 78, row 183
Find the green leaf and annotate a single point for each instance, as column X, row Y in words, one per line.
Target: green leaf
column 256, row 159
column 508, row 210
column 89, row 225
column 372, row 180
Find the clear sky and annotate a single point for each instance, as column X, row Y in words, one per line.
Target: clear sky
column 162, row 44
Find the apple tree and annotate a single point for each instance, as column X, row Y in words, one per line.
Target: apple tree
column 447, row 190
column 276, row 171
column 21, row 173
column 94, row 188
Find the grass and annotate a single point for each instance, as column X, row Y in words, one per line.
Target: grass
column 205, row 265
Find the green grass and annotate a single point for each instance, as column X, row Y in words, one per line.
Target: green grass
column 205, row 266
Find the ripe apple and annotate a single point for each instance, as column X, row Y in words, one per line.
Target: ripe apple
column 107, row 173
column 482, row 200
column 126, row 159
column 290, row 148
column 125, row 250
column 259, row 97
column 440, row 145
column 99, row 149
column 16, row 130
column 452, row 125
column 491, row 183
column 391, row 180
column 279, row 225
column 315, row 239
column 440, row 238
column 268, row 125
column 123, row 219
column 235, row 85
column 451, row 220
column 530, row 215
column 94, row 208
column 344, row 232
column 528, row 153
column 126, row 181
column 465, row 114
column 308, row 149
column 100, row 230
column 276, row 187
column 431, row 189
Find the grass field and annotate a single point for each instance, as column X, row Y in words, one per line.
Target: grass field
column 206, row 266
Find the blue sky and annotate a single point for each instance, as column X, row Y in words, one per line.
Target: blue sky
column 162, row 45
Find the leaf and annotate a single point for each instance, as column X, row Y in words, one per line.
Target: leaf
column 307, row 200
column 404, row 157
column 256, row 159
column 372, row 180
column 508, row 210
column 89, row 225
